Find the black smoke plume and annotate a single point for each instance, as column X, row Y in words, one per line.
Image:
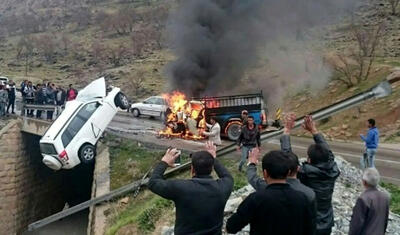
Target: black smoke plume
column 216, row 41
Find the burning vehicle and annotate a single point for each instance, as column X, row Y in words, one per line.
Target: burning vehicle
column 187, row 118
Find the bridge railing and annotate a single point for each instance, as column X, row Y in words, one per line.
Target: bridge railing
column 41, row 107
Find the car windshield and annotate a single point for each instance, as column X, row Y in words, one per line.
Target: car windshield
column 47, row 149
column 95, row 89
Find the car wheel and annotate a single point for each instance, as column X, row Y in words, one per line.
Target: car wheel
column 121, row 101
column 233, row 131
column 87, row 153
column 136, row 112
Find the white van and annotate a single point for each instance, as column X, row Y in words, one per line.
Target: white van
column 73, row 136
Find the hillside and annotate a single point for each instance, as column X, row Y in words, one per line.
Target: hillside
column 124, row 40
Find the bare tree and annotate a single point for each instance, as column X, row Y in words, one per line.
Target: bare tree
column 356, row 66
column 25, row 51
column 117, row 54
column 46, row 46
column 394, row 4
column 97, row 51
column 139, row 40
column 82, row 17
column 136, row 81
column 65, row 42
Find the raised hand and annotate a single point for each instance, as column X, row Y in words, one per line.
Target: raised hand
column 289, row 121
column 254, row 155
column 170, row 156
column 309, row 125
column 211, row 148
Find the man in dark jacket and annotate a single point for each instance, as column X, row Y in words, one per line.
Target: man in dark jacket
column 319, row 173
column 276, row 209
column 294, row 166
column 249, row 138
column 11, row 96
column 50, row 99
column 371, row 212
column 199, row 201
column 39, row 99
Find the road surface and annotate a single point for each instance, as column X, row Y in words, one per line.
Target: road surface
column 145, row 129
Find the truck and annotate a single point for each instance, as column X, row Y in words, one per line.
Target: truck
column 227, row 111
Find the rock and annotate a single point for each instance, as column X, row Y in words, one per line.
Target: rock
column 345, row 126
column 348, row 134
column 362, row 110
column 167, row 230
column 124, row 200
column 13, row 64
column 335, row 128
column 65, row 66
column 232, row 204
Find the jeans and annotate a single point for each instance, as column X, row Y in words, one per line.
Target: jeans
column 368, row 160
column 245, row 153
column 11, row 103
column 3, row 109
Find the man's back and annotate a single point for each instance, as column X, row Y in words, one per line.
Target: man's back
column 199, row 201
column 370, row 215
column 321, row 178
column 279, row 209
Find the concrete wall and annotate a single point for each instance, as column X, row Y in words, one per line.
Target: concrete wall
column 29, row 190
column 101, row 186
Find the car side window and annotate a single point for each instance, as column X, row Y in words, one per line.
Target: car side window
column 77, row 122
column 151, row 100
column 159, row 101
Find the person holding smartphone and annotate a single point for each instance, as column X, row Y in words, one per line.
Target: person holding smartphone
column 199, row 201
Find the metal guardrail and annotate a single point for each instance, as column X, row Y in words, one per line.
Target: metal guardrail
column 381, row 90
column 41, row 107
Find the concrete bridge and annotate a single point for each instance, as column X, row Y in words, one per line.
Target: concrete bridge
column 27, row 185
column 34, row 126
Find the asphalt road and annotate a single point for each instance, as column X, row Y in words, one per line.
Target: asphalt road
column 145, row 129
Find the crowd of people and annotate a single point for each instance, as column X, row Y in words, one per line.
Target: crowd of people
column 41, row 94
column 289, row 199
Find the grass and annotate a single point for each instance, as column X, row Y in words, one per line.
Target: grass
column 394, row 196
column 143, row 212
column 239, row 178
column 129, row 162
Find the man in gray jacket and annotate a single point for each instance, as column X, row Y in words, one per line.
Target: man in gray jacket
column 371, row 212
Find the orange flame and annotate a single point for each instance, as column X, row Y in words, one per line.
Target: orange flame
column 181, row 110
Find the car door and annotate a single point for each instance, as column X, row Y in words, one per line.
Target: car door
column 148, row 106
column 158, row 106
column 101, row 117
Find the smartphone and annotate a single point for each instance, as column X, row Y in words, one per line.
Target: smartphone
column 178, row 159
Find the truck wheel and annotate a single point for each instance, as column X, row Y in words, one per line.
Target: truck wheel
column 121, row 101
column 233, row 130
column 87, row 153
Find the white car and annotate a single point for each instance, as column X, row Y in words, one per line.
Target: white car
column 154, row 106
column 3, row 80
column 73, row 136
